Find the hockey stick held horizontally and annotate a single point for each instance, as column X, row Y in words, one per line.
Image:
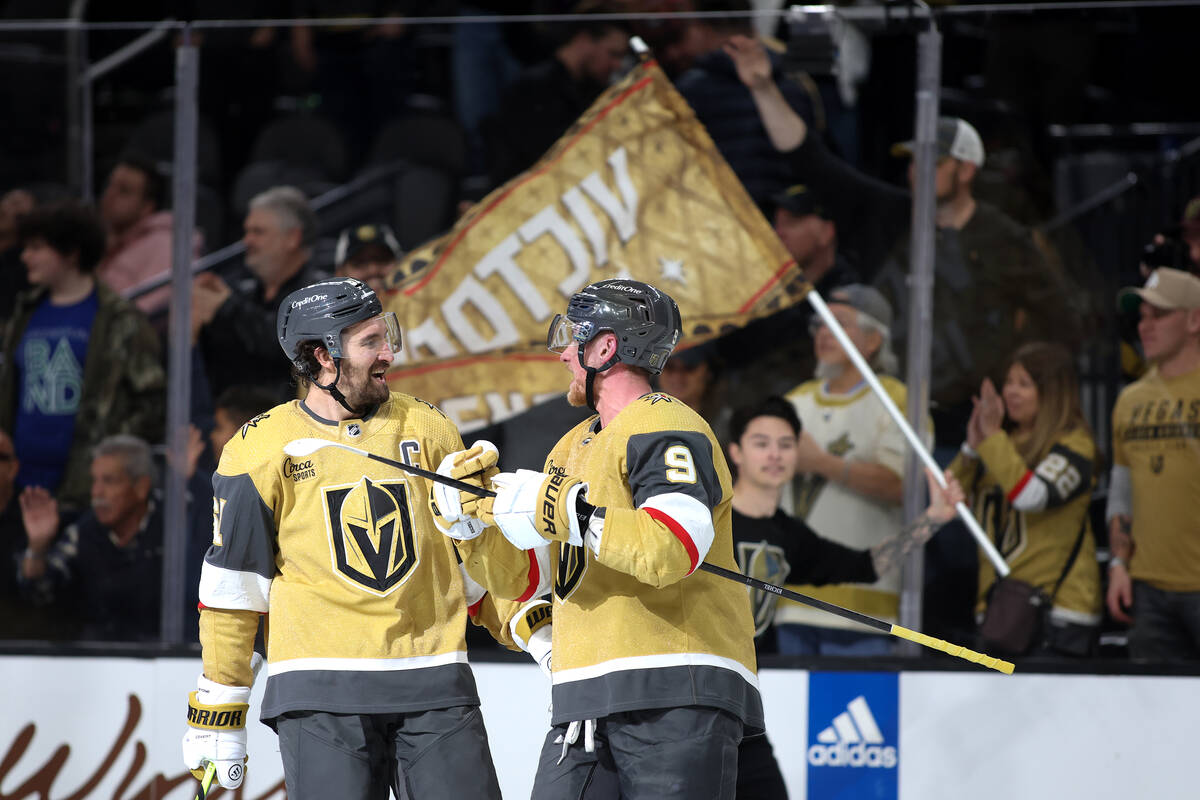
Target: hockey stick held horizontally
column 304, row 447
column 878, row 624
column 299, row 448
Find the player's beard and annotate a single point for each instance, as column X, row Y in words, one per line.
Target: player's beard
column 361, row 389
column 577, row 393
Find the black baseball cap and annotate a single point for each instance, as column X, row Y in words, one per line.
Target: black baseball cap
column 801, row 200
column 356, row 239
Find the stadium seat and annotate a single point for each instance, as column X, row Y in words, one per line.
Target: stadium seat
column 303, row 141
column 429, row 139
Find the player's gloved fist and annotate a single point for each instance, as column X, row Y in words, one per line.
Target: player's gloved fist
column 217, row 731
column 533, row 631
column 455, row 511
column 531, row 508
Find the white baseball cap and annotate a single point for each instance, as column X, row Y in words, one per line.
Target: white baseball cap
column 956, row 138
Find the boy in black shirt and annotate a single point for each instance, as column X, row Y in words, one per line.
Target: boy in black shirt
column 772, row 546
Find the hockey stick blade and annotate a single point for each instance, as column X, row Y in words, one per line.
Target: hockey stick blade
column 298, row 448
column 210, row 772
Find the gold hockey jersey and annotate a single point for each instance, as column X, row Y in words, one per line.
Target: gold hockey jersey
column 636, row 626
column 1033, row 516
column 367, row 603
column 1156, row 435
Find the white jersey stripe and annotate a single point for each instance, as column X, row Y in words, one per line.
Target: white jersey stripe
column 233, row 589
column 366, row 664
column 661, row 661
column 692, row 515
column 1033, row 495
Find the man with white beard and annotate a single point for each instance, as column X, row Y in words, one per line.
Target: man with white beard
column 849, row 484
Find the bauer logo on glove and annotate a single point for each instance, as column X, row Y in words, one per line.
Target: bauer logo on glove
column 552, row 490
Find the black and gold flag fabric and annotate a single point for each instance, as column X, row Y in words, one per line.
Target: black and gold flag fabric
column 635, row 189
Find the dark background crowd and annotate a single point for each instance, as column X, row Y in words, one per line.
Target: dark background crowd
column 1065, row 167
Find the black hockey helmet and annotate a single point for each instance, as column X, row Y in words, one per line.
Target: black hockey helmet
column 645, row 321
column 321, row 311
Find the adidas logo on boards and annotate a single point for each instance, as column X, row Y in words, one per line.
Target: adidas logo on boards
column 853, row 739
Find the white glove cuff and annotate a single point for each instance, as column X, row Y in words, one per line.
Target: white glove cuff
column 517, row 495
column 540, row 645
column 212, row 693
column 464, row 530
column 446, row 497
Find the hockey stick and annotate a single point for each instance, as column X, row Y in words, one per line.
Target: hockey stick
column 878, row 624
column 210, row 772
column 299, row 448
column 304, row 447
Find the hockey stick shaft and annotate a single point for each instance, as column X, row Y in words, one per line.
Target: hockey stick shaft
column 210, row 772
column 883, row 627
column 410, row 469
column 845, row 613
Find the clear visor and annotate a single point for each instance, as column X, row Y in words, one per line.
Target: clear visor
column 369, row 336
column 393, row 331
column 565, row 332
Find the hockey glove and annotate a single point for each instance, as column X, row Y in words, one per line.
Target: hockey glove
column 531, row 508
column 533, row 631
column 217, row 731
column 454, row 510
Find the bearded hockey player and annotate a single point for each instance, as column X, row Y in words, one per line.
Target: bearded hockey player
column 653, row 662
column 368, row 686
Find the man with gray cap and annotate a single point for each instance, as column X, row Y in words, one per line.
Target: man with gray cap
column 1154, row 495
column 238, row 316
column 992, row 288
column 849, row 468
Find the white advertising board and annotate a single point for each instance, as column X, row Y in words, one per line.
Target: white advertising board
column 83, row 728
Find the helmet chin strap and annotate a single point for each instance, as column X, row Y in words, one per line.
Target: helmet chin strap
column 592, row 372
column 335, row 392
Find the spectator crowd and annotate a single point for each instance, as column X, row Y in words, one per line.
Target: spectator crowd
column 820, row 466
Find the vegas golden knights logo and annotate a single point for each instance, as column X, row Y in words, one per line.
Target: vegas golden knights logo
column 1156, row 463
column 572, row 563
column 371, row 531
column 768, row 563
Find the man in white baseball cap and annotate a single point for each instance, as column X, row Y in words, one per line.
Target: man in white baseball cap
column 1154, row 494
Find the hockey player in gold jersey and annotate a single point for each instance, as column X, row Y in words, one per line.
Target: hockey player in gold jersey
column 367, row 685
column 654, row 674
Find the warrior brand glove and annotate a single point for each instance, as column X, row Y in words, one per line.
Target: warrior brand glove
column 531, row 508
column 533, row 631
column 454, row 510
column 217, row 731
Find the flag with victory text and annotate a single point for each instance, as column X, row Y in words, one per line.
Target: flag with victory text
column 635, row 189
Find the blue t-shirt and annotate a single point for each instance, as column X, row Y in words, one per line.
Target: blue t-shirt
column 50, row 359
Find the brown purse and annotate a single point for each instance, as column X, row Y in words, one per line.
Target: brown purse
column 1015, row 618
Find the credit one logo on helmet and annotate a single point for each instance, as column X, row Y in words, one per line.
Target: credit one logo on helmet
column 853, row 747
column 312, row 298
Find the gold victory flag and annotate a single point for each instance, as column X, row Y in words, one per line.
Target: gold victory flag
column 635, row 189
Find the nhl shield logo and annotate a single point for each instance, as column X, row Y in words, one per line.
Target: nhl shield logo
column 354, row 430
column 371, row 531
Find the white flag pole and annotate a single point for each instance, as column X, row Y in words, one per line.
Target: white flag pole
column 815, row 300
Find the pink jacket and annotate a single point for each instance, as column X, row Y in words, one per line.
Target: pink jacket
column 144, row 251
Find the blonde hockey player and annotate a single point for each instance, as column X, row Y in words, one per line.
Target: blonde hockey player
column 654, row 676
column 367, row 682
